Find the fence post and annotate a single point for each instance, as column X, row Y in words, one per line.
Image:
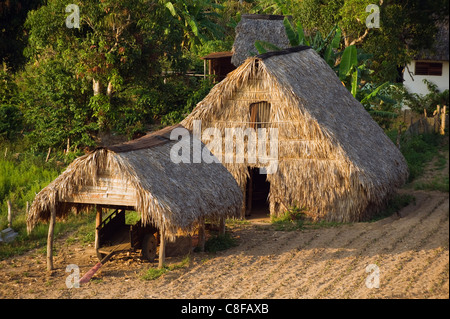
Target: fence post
column 399, row 134
column 442, row 115
column 9, row 213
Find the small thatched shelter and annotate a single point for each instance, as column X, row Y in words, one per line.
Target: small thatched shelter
column 140, row 175
column 332, row 157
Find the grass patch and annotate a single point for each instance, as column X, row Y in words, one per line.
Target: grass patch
column 84, row 225
column 296, row 219
column 438, row 183
column 419, row 150
column 155, row 273
column 220, row 242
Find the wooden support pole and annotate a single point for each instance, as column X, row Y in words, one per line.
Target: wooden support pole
column 222, row 226
column 162, row 249
column 9, row 213
column 201, row 234
column 98, row 221
column 51, row 228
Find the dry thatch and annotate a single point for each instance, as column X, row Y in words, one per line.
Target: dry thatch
column 254, row 27
column 140, row 175
column 440, row 49
column 333, row 158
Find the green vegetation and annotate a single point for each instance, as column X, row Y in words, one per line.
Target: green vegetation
column 128, row 69
column 419, row 150
column 296, row 218
column 155, row 273
column 220, row 242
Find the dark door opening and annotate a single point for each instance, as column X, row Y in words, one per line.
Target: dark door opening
column 257, row 192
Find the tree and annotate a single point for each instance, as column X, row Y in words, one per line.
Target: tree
column 406, row 27
column 196, row 19
column 11, row 119
column 13, row 38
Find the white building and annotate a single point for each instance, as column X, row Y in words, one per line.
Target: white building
column 432, row 65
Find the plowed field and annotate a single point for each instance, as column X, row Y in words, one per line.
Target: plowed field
column 407, row 255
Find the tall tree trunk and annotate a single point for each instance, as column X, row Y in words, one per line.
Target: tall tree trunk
column 109, row 90
column 96, row 86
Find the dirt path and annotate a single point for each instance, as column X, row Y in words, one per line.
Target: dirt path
column 409, row 249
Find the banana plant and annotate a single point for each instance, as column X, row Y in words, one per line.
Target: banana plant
column 197, row 18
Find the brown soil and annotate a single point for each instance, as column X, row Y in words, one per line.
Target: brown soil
column 410, row 250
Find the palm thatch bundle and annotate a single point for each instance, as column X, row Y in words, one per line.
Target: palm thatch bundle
column 333, row 158
column 261, row 27
column 140, row 175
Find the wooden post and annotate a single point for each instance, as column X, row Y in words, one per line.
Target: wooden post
column 249, row 194
column 399, row 135
column 201, row 234
column 442, row 128
column 162, row 249
column 204, row 69
column 222, row 226
column 9, row 213
column 98, row 221
column 51, row 228
column 437, row 118
column 68, row 145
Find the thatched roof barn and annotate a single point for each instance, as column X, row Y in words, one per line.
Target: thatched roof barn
column 140, row 175
column 260, row 27
column 332, row 158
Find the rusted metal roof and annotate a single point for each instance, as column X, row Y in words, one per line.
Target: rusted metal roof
column 218, row 55
column 148, row 141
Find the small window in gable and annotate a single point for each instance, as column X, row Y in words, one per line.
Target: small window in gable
column 260, row 114
column 428, row 68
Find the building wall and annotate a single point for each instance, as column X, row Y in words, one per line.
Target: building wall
column 414, row 83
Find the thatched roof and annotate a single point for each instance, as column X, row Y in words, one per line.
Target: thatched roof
column 140, row 175
column 254, row 27
column 333, row 157
column 440, row 49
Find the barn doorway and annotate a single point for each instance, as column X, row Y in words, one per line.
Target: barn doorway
column 257, row 192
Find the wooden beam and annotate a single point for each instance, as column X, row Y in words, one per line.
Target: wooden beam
column 51, row 228
column 112, row 200
column 162, row 249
